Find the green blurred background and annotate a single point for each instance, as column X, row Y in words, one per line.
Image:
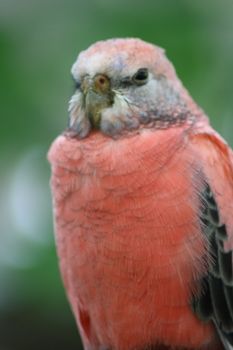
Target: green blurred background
column 39, row 40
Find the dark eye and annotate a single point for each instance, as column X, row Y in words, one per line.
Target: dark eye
column 141, row 76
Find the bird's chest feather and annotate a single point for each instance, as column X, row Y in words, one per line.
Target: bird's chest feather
column 128, row 237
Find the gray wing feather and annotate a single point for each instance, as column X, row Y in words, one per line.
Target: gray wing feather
column 215, row 301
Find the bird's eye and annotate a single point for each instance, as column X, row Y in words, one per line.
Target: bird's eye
column 141, row 76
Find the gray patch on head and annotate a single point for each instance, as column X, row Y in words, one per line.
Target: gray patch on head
column 119, row 64
column 158, row 104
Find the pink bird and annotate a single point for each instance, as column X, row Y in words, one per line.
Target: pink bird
column 143, row 206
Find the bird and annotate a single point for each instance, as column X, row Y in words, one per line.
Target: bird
column 142, row 190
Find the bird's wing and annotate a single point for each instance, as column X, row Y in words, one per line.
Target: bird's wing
column 215, row 300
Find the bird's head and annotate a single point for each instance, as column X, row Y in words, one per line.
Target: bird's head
column 123, row 85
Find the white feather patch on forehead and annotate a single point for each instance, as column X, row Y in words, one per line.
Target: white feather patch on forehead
column 100, row 63
column 90, row 65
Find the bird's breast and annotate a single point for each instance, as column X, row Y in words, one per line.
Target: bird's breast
column 128, row 237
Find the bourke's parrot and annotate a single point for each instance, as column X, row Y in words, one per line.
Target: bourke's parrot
column 143, row 204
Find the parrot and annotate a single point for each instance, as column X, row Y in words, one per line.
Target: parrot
column 142, row 191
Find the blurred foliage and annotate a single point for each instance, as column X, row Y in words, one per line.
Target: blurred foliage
column 39, row 40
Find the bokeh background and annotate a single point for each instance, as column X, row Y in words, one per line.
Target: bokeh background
column 39, row 40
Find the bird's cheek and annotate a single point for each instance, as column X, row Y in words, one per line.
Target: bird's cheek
column 110, row 124
column 115, row 121
column 79, row 124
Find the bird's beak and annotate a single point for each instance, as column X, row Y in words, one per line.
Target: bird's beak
column 97, row 96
